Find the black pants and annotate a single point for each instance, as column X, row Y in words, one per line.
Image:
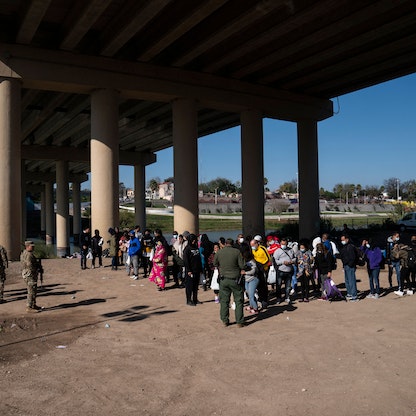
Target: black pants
column 191, row 287
column 262, row 289
column 304, row 286
column 147, row 265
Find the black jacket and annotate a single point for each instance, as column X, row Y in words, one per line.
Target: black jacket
column 192, row 260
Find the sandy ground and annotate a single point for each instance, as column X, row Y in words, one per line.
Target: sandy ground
column 108, row 345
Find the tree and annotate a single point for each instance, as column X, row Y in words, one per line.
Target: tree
column 390, row 186
column 153, row 185
column 171, row 179
column 289, row 187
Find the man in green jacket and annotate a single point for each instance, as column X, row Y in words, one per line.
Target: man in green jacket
column 231, row 266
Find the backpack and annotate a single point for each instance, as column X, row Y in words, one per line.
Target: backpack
column 359, row 257
column 411, row 260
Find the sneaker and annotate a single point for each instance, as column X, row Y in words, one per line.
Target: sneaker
column 348, row 296
column 370, row 296
column 398, row 292
column 135, row 277
column 217, row 299
column 254, row 311
column 248, row 308
column 354, row 300
column 292, row 292
column 287, row 300
column 376, row 296
column 92, row 267
column 409, row 292
column 306, row 300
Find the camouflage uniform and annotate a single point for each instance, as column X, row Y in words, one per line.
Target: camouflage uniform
column 4, row 263
column 30, row 276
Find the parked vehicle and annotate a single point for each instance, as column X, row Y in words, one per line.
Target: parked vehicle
column 407, row 222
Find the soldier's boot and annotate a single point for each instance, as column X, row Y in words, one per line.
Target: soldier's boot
column 31, row 310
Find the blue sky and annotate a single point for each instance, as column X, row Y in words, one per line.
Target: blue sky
column 372, row 138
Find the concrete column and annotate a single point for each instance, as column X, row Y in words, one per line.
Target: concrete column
column 252, row 175
column 24, row 200
column 49, row 213
column 76, row 211
column 62, row 209
column 10, row 172
column 309, row 219
column 43, row 213
column 185, row 165
column 140, row 196
column 104, row 161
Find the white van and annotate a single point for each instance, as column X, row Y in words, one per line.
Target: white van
column 408, row 221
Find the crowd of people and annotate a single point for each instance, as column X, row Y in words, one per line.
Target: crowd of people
column 249, row 266
column 246, row 268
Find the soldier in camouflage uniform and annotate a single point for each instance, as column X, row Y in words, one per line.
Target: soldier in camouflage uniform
column 30, row 275
column 4, row 263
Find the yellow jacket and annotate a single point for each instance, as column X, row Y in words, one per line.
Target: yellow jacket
column 261, row 255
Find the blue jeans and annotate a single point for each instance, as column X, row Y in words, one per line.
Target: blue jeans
column 350, row 281
column 280, row 278
column 396, row 266
column 251, row 287
column 373, row 276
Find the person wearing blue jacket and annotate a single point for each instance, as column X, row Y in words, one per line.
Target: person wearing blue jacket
column 374, row 258
column 134, row 253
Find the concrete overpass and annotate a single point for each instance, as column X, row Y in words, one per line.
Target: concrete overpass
column 86, row 86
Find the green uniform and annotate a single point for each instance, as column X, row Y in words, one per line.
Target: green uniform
column 30, row 276
column 230, row 263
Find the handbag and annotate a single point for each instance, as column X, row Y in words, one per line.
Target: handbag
column 214, row 281
column 271, row 277
column 89, row 255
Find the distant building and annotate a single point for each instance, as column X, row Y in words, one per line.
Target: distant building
column 166, row 190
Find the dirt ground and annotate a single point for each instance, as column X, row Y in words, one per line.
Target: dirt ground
column 108, row 345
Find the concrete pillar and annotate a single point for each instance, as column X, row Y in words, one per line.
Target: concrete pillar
column 104, row 161
column 43, row 213
column 10, row 172
column 309, row 219
column 24, row 200
column 252, row 175
column 185, row 165
column 76, row 211
column 62, row 209
column 140, row 196
column 49, row 214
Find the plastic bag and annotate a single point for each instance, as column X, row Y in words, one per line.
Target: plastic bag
column 214, row 281
column 271, row 277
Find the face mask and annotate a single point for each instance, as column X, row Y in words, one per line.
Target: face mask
column 302, row 250
column 343, row 242
column 397, row 238
column 367, row 245
column 283, row 246
column 271, row 242
column 241, row 240
column 175, row 236
column 320, row 251
column 254, row 248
